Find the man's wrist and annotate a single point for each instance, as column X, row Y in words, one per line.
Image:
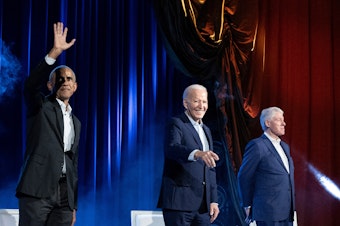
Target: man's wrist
column 54, row 53
column 192, row 155
column 49, row 60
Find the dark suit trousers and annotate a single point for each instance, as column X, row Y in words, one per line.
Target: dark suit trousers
column 52, row 211
column 185, row 218
column 274, row 223
column 188, row 218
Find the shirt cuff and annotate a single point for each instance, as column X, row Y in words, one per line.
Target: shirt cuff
column 192, row 155
column 49, row 60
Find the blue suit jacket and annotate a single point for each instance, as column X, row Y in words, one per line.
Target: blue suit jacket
column 183, row 180
column 264, row 183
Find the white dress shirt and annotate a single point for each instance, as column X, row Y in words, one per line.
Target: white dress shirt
column 199, row 128
column 68, row 129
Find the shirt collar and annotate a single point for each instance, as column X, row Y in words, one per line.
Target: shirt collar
column 193, row 122
column 278, row 140
column 65, row 109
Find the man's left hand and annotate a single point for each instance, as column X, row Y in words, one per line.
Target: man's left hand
column 214, row 211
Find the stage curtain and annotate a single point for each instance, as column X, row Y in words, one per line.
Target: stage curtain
column 129, row 83
column 126, row 91
column 293, row 64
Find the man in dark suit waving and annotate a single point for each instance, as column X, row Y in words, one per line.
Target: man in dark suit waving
column 266, row 175
column 189, row 192
column 48, row 184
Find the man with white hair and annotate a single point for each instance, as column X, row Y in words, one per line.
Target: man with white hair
column 266, row 175
column 189, row 191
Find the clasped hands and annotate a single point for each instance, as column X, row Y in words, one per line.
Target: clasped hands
column 209, row 157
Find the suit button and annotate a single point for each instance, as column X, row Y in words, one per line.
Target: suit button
column 203, row 182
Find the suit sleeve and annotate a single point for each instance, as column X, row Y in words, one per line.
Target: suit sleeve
column 178, row 145
column 34, row 85
column 246, row 174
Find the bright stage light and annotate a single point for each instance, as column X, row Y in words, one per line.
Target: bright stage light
column 325, row 182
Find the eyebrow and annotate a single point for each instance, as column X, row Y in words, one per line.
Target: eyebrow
column 67, row 76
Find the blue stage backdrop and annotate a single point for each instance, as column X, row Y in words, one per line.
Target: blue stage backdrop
column 127, row 89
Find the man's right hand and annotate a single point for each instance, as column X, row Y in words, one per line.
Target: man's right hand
column 209, row 157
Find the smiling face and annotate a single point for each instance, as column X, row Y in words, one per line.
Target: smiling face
column 196, row 103
column 63, row 84
column 276, row 125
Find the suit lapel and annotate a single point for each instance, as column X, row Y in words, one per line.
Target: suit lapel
column 76, row 125
column 60, row 121
column 209, row 137
column 273, row 150
column 285, row 148
column 192, row 130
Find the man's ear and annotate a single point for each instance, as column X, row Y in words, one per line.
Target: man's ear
column 75, row 86
column 185, row 103
column 49, row 86
column 267, row 123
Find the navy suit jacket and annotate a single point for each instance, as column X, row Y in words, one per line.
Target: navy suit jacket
column 264, row 183
column 44, row 156
column 184, row 180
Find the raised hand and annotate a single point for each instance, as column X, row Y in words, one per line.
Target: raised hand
column 60, row 43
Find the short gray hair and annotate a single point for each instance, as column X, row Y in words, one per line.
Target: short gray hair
column 268, row 114
column 192, row 87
